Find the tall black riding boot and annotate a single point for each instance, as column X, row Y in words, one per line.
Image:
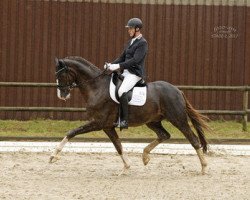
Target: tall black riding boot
column 124, row 111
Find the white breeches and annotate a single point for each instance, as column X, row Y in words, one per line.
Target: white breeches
column 128, row 82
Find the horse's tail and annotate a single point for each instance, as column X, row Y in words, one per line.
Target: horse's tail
column 199, row 122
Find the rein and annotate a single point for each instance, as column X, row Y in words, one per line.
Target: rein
column 74, row 85
column 92, row 79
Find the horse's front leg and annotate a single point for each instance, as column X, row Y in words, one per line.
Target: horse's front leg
column 91, row 126
column 112, row 134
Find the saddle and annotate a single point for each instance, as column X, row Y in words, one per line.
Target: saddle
column 136, row 96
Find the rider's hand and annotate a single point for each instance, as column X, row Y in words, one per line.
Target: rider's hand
column 106, row 65
column 114, row 67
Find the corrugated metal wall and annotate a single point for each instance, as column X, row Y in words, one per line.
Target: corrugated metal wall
column 188, row 45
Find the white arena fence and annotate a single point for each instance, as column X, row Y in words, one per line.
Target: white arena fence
column 106, row 147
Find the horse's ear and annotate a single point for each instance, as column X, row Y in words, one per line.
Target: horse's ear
column 60, row 64
column 56, row 61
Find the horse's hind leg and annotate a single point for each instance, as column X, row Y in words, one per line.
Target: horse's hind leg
column 112, row 134
column 194, row 140
column 162, row 135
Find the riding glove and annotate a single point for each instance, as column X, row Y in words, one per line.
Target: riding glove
column 106, row 65
column 113, row 67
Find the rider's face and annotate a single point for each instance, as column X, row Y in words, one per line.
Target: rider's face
column 131, row 31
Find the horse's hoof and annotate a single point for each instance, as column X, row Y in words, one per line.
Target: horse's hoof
column 145, row 159
column 125, row 169
column 53, row 159
column 204, row 171
column 126, row 166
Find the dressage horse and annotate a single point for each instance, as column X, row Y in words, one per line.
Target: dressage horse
column 164, row 102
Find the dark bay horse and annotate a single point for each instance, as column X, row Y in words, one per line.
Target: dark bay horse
column 164, row 101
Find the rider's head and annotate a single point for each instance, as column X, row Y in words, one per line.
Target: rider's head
column 134, row 26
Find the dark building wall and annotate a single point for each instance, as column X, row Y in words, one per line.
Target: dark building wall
column 191, row 44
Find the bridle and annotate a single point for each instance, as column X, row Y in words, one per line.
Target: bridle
column 74, row 84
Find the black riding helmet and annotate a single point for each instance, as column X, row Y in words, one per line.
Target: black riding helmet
column 135, row 23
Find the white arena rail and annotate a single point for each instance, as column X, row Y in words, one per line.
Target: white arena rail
column 101, row 147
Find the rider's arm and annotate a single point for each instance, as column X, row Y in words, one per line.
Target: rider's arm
column 139, row 55
column 119, row 59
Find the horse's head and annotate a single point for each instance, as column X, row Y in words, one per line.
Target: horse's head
column 65, row 79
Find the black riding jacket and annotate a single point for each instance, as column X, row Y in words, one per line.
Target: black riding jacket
column 133, row 57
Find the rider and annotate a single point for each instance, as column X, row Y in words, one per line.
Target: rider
column 131, row 64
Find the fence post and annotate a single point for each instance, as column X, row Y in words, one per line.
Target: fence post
column 245, row 108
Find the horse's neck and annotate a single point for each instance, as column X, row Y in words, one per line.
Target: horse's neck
column 84, row 69
column 96, row 90
column 88, row 73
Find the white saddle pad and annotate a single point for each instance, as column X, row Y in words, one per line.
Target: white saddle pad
column 139, row 95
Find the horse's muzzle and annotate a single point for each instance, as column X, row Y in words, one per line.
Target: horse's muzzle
column 63, row 95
